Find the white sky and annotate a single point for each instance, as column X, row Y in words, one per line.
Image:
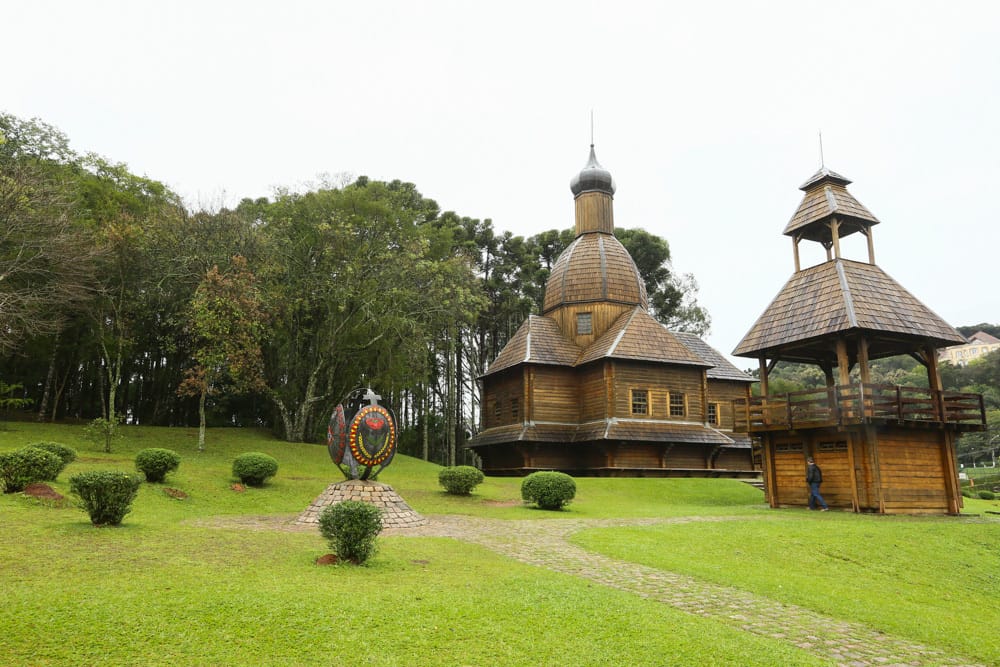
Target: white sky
column 707, row 115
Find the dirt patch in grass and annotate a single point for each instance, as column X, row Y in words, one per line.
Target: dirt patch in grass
column 175, row 493
column 327, row 559
column 45, row 494
column 42, row 492
column 502, row 503
column 238, row 488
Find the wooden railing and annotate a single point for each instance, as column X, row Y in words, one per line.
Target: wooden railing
column 859, row 403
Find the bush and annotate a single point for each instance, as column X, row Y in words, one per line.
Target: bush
column 549, row 490
column 253, row 468
column 28, row 465
column 155, row 463
column 64, row 452
column 967, row 493
column 351, row 527
column 987, row 495
column 460, row 480
column 106, row 495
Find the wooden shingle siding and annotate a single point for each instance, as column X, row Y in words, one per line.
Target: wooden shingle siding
column 837, row 297
column 595, row 267
column 826, row 201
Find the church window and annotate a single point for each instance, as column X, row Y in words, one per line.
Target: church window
column 584, row 324
column 640, row 402
column 713, row 414
column 678, row 406
column 515, row 408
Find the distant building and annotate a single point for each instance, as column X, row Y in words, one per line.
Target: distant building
column 980, row 344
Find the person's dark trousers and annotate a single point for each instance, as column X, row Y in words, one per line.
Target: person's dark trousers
column 814, row 496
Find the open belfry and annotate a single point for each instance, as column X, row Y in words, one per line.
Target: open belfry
column 595, row 385
column 882, row 448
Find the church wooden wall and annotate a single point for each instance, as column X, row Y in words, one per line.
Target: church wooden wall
column 658, row 381
column 593, row 392
column 724, row 393
column 603, row 315
column 554, row 394
column 502, row 387
column 734, row 459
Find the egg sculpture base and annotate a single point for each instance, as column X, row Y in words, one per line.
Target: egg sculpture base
column 395, row 512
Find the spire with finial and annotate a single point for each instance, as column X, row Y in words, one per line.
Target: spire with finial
column 592, row 178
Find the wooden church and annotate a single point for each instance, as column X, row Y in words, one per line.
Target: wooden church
column 884, row 449
column 595, row 385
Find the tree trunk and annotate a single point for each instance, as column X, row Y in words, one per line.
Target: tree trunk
column 201, row 419
column 49, row 378
column 425, row 431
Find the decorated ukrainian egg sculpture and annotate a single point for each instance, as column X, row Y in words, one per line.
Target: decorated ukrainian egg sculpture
column 361, row 438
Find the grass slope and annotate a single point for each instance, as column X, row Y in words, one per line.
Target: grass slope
column 162, row 589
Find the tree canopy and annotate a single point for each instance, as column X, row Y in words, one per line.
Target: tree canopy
column 117, row 302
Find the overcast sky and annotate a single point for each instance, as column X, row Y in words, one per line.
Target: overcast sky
column 707, row 115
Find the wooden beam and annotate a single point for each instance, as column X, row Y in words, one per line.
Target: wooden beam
column 871, row 245
column 835, row 236
column 843, row 362
column 795, row 252
column 951, row 485
column 863, row 359
column 763, row 376
column 855, row 499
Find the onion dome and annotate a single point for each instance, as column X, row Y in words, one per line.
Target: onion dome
column 592, row 178
column 596, row 267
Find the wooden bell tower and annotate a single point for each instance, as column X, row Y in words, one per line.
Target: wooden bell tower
column 885, row 448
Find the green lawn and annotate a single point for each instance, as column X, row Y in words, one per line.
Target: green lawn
column 162, row 589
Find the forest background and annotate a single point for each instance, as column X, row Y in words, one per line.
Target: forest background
column 120, row 305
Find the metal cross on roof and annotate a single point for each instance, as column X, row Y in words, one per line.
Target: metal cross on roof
column 372, row 397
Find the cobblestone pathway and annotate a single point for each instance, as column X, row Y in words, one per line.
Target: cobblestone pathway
column 546, row 544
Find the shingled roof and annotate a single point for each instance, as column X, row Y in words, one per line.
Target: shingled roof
column 637, row 335
column 837, row 297
column 827, row 197
column 538, row 341
column 721, row 368
column 595, row 267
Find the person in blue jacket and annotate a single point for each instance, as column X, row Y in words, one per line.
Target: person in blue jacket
column 814, row 477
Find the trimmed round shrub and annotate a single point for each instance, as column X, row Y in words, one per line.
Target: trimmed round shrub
column 351, row 527
column 156, row 462
column 64, row 452
column 28, row 465
column 548, row 490
column 987, row 495
column 253, row 468
column 106, row 495
column 460, row 480
column 967, row 493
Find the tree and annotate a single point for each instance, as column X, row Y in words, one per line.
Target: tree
column 46, row 261
column 354, row 294
column 227, row 322
column 672, row 297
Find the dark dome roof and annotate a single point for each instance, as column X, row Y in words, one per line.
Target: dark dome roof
column 595, row 267
column 592, row 178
